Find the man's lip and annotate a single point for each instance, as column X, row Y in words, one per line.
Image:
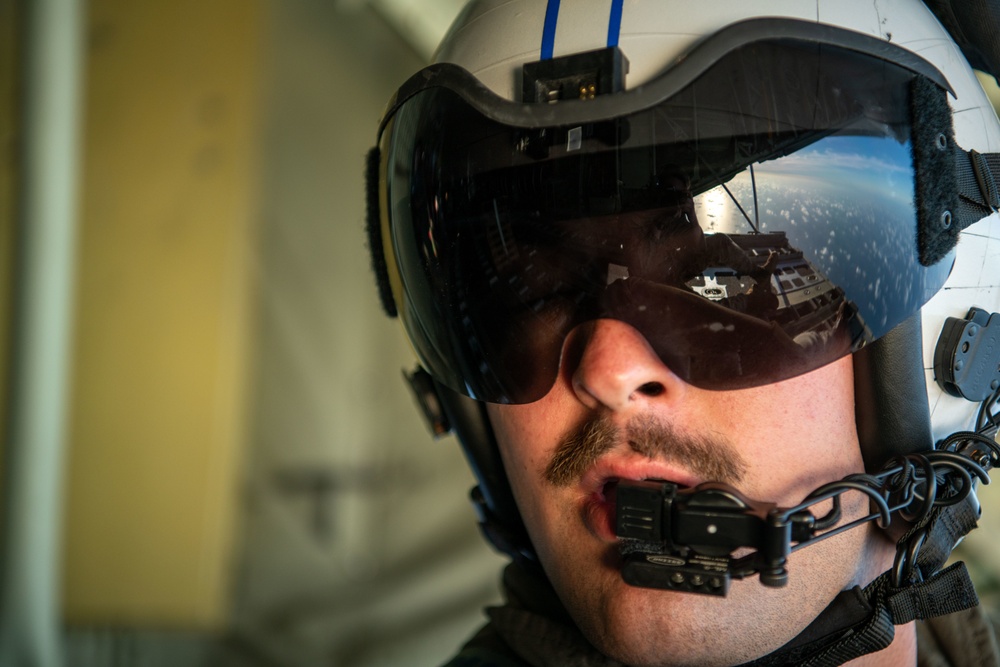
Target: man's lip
column 596, row 479
column 600, row 486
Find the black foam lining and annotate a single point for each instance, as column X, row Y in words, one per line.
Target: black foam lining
column 934, row 162
column 890, row 396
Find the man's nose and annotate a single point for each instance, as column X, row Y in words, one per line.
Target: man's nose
column 618, row 370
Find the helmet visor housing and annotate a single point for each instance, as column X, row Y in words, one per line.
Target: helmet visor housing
column 754, row 224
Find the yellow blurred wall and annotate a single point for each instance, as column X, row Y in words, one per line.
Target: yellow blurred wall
column 163, row 295
column 991, row 88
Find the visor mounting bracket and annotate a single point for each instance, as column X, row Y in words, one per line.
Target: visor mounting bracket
column 578, row 76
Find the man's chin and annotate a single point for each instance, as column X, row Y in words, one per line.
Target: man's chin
column 653, row 628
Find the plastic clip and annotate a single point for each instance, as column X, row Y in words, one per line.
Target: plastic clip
column 967, row 356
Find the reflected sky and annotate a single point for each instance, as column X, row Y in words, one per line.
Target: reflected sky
column 847, row 202
column 878, row 166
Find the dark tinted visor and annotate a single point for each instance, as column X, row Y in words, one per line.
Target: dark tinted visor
column 753, row 226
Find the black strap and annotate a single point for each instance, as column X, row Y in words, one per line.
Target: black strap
column 942, row 530
column 946, row 592
column 978, row 186
column 916, row 589
column 874, row 634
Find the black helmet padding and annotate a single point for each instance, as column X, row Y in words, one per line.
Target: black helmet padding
column 890, row 395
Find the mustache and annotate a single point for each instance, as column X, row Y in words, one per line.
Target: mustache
column 706, row 455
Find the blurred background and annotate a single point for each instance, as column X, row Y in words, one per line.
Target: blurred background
column 209, row 456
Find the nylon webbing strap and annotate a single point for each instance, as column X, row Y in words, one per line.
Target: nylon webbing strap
column 943, row 531
column 925, row 593
column 874, row 634
column 947, row 592
column 978, row 185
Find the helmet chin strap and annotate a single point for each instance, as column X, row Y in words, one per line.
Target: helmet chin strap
column 862, row 621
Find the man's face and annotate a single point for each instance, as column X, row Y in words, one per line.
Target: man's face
column 616, row 412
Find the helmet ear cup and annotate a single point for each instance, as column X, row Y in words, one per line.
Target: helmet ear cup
column 373, row 225
column 890, row 396
column 493, row 499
